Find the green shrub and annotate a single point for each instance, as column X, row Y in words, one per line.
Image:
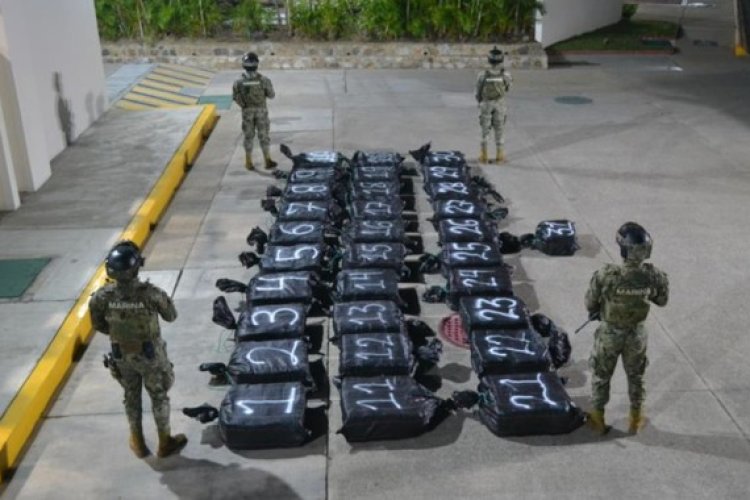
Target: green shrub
column 250, row 16
column 629, row 10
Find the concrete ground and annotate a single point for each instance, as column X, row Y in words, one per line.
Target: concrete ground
column 663, row 142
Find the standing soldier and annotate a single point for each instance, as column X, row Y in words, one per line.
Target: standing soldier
column 250, row 92
column 492, row 85
column 128, row 311
column 619, row 295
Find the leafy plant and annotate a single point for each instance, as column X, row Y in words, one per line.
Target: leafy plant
column 629, row 10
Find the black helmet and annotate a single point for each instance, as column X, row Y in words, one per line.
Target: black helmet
column 123, row 261
column 635, row 242
column 495, row 56
column 250, row 61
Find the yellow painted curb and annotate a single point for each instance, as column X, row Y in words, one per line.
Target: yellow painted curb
column 740, row 51
column 31, row 401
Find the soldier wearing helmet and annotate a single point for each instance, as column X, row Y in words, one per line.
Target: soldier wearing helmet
column 621, row 296
column 128, row 310
column 492, row 85
column 250, row 92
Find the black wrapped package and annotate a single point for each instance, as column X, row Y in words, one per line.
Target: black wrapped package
column 373, row 354
column 527, row 404
column 441, row 173
column 459, row 209
column 375, row 190
column 493, row 313
column 264, row 416
column 366, row 317
column 318, row 191
column 376, row 209
column 281, row 288
column 305, row 257
column 374, row 256
column 375, row 174
column 304, row 211
column 556, row 237
column 466, row 231
column 444, row 158
column 308, row 175
column 392, row 407
column 383, row 159
column 296, row 233
column 282, row 321
column 439, row 191
column 367, row 284
column 503, row 352
column 477, row 282
column 471, row 255
column 270, row 361
column 319, row 159
column 374, row 231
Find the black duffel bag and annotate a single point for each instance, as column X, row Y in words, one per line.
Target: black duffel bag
column 556, row 237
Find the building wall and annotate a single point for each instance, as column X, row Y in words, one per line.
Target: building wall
column 567, row 18
column 52, row 83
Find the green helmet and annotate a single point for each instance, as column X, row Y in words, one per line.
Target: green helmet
column 634, row 241
column 123, row 261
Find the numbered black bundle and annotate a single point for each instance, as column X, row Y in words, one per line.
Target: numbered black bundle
column 466, row 231
column 469, row 255
column 490, row 282
column 282, row 321
column 375, row 174
column 270, row 361
column 373, row 354
column 367, row 284
column 440, row 173
column 314, row 159
column 556, row 237
column 281, row 288
column 297, row 233
column 313, row 175
column 321, row 211
column 374, row 190
column 303, row 257
column 390, row 407
column 382, row 159
column 504, row 352
column 366, row 317
column 264, row 416
column 308, row 191
column 376, row 209
column 527, row 404
column 441, row 191
column 374, row 256
column 493, row 313
column 374, row 231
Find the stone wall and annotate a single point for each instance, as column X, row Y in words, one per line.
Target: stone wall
column 320, row 55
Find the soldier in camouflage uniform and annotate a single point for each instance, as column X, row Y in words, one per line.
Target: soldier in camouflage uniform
column 128, row 311
column 492, row 85
column 620, row 295
column 250, row 92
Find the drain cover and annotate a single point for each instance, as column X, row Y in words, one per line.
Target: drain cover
column 573, row 99
column 16, row 275
column 452, row 330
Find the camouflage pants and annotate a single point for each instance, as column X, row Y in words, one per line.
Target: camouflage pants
column 492, row 115
column 609, row 344
column 133, row 372
column 256, row 119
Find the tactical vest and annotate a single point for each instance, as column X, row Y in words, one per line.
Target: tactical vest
column 493, row 85
column 252, row 92
column 132, row 317
column 625, row 295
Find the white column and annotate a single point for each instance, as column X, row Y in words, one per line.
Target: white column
column 9, row 199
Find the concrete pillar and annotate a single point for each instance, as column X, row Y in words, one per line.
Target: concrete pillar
column 9, row 199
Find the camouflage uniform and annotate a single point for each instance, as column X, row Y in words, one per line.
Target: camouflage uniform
column 492, row 85
column 129, row 313
column 621, row 295
column 250, row 93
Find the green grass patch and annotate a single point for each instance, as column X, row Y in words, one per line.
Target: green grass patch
column 623, row 36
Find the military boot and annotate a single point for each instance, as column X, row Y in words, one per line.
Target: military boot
column 500, row 156
column 483, row 154
column 249, row 162
column 270, row 164
column 170, row 444
column 596, row 422
column 138, row 444
column 637, row 421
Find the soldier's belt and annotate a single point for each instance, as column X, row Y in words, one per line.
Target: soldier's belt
column 133, row 347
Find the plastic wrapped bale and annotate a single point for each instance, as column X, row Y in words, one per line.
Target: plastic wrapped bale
column 313, row 175
column 351, row 318
column 377, row 190
column 281, row 288
column 375, row 174
column 368, row 284
column 376, row 209
column 305, row 257
column 489, row 282
column 438, row 173
column 527, row 404
column 283, row 321
column 391, row 407
column 444, row 158
column 317, row 191
column 264, row 416
column 270, row 361
column 373, row 354
column 493, row 313
column 297, row 233
column 440, row 191
column 374, row 231
column 503, row 352
column 382, row 159
column 374, row 256
column 315, row 159
column 290, row 211
column 556, row 237
column 466, row 231
column 458, row 209
column 470, row 255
